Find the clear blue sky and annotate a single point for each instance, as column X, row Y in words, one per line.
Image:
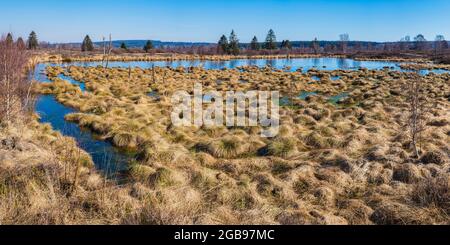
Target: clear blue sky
column 203, row 20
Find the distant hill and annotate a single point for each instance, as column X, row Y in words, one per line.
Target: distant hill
column 156, row 43
column 295, row 44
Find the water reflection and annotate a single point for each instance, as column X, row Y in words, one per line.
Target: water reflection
column 252, row 62
column 316, row 62
column 272, row 63
column 305, row 64
column 342, row 64
column 357, row 64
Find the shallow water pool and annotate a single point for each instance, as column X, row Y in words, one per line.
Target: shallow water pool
column 105, row 156
column 305, row 64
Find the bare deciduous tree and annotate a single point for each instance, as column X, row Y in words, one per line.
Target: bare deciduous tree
column 344, row 39
column 106, row 51
column 418, row 107
column 15, row 88
column 439, row 44
column 420, row 42
column 315, row 45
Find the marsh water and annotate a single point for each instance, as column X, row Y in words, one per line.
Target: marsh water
column 106, row 157
column 286, row 64
column 110, row 160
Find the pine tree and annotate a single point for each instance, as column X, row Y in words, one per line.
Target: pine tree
column 87, row 44
column 123, row 46
column 234, row 44
column 254, row 45
column 21, row 43
column 148, row 46
column 223, row 45
column 9, row 39
column 286, row 44
column 33, row 42
column 271, row 40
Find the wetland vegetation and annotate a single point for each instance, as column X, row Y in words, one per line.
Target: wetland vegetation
column 343, row 145
column 86, row 135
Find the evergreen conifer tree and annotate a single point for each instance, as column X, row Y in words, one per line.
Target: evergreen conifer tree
column 223, row 45
column 286, row 44
column 271, row 40
column 87, row 44
column 254, row 45
column 33, row 42
column 148, row 46
column 234, row 44
column 21, row 43
column 9, row 39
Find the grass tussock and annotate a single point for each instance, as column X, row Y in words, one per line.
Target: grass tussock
column 342, row 156
column 227, row 147
column 434, row 192
column 282, row 147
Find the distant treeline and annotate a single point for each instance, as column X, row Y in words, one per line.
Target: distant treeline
column 322, row 44
column 131, row 44
column 232, row 46
column 156, row 43
column 437, row 48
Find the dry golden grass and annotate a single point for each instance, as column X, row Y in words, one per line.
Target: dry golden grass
column 46, row 179
column 55, row 58
column 349, row 162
